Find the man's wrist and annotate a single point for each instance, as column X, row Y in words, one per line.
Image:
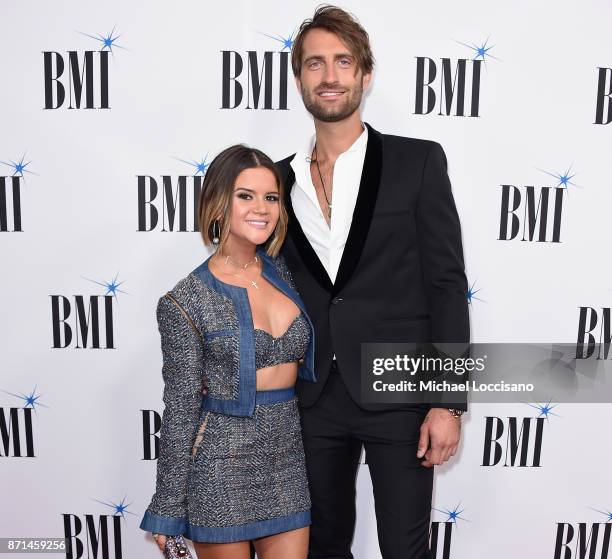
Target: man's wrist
column 456, row 413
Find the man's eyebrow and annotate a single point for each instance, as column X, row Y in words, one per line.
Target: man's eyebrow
column 313, row 57
column 321, row 57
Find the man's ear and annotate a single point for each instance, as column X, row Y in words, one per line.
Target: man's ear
column 366, row 80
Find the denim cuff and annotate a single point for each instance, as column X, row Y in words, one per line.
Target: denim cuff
column 166, row 525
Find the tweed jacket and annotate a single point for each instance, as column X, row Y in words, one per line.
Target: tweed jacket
column 208, row 348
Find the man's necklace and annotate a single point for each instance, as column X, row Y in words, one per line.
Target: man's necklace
column 316, row 160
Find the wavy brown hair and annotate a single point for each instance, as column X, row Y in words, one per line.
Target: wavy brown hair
column 345, row 26
column 218, row 189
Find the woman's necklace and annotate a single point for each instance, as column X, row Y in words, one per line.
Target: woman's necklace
column 228, row 258
column 242, row 276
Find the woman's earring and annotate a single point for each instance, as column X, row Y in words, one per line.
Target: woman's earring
column 216, row 235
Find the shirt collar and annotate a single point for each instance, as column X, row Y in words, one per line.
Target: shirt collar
column 305, row 151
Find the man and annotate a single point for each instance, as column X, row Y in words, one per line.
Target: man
column 374, row 246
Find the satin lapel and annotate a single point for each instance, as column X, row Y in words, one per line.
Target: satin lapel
column 301, row 242
column 364, row 207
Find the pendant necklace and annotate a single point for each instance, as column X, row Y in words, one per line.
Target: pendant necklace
column 316, row 160
column 255, row 259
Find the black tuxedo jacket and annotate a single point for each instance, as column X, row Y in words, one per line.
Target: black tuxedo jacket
column 401, row 277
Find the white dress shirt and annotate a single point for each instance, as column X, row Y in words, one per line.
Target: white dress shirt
column 328, row 241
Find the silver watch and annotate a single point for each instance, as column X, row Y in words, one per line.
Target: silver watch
column 455, row 412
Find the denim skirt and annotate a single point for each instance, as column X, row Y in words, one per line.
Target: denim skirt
column 248, row 476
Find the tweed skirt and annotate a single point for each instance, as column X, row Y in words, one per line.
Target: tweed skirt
column 248, row 474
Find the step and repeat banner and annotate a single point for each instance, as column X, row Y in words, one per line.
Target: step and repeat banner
column 110, row 114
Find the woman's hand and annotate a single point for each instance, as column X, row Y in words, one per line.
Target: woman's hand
column 160, row 540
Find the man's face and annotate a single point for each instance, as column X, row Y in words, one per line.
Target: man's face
column 330, row 87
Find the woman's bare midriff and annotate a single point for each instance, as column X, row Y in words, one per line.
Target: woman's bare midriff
column 278, row 376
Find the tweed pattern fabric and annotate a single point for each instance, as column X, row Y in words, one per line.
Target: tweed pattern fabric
column 182, row 372
column 248, row 469
column 283, row 349
column 213, row 313
column 216, row 469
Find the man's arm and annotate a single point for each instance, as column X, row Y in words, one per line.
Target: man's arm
column 441, row 250
column 439, row 239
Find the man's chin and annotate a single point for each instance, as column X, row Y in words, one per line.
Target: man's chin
column 333, row 116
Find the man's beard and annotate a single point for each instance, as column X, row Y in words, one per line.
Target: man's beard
column 333, row 114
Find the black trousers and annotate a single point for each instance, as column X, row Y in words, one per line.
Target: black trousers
column 334, row 430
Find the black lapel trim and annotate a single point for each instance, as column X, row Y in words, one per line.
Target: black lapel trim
column 364, row 208
column 301, row 242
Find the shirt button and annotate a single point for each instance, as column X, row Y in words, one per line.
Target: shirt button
column 336, row 300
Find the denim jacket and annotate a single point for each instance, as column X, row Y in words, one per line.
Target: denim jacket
column 208, row 348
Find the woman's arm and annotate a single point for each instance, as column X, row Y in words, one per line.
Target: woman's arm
column 182, row 371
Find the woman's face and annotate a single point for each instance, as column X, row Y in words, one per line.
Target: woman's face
column 255, row 205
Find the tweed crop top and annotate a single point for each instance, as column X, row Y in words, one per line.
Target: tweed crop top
column 289, row 347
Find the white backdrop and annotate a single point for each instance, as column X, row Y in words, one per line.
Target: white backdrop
column 79, row 230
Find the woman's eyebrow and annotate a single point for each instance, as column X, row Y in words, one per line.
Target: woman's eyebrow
column 252, row 191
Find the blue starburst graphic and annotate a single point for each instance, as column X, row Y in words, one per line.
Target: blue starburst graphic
column 480, row 51
column 287, row 42
column 108, row 41
column 200, row 166
column 607, row 514
column 471, row 294
column 453, row 515
column 545, row 409
column 31, row 399
column 112, row 287
column 564, row 179
column 19, row 167
column 119, row 508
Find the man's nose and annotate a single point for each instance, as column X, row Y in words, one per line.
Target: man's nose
column 330, row 73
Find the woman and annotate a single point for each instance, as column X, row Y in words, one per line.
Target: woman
column 235, row 337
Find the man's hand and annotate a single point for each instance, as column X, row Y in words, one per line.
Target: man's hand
column 442, row 432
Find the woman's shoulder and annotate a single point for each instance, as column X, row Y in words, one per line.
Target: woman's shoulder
column 188, row 291
column 282, row 269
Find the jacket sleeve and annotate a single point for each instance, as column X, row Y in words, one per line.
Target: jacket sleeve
column 439, row 239
column 182, row 371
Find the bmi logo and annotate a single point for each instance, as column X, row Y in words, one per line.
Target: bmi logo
column 170, row 203
column 441, row 532
column 256, row 79
column 534, row 211
column 85, row 321
column 151, row 425
column 584, row 540
column 452, row 86
column 603, row 109
column 10, row 194
column 82, row 76
column 95, row 535
column 516, row 441
column 592, row 323
column 16, row 429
